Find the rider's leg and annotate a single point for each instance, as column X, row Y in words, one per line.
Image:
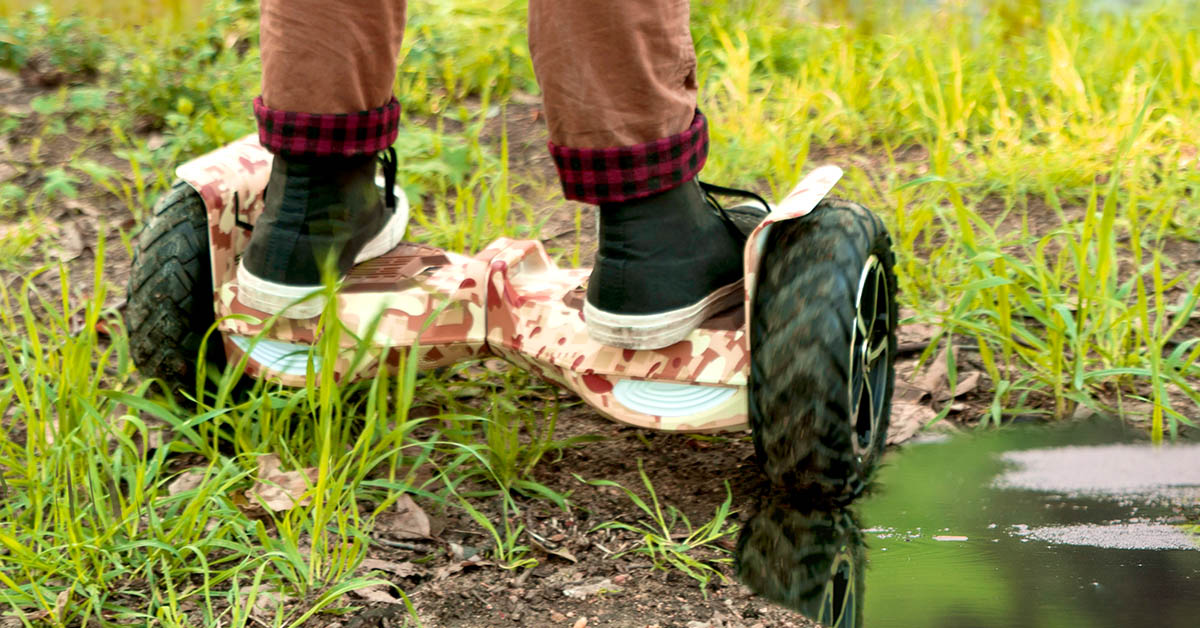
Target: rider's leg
column 325, row 112
column 619, row 83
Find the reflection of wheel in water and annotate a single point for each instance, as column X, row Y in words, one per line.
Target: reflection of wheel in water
column 808, row 561
column 823, row 344
column 170, row 304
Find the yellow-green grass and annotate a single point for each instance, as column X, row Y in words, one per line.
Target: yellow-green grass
column 1034, row 163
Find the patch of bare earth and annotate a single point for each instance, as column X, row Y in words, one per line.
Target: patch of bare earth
column 579, row 580
column 71, row 225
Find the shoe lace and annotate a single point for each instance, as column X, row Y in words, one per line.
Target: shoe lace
column 388, row 160
column 711, row 191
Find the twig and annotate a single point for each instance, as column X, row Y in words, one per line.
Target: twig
column 396, row 544
column 471, row 532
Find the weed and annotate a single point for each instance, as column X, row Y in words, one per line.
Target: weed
column 100, row 505
column 56, row 49
column 669, row 538
column 443, row 61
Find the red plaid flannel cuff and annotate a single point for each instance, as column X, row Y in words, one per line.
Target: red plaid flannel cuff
column 327, row 134
column 613, row 175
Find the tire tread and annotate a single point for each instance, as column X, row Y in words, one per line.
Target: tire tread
column 802, row 324
column 170, row 290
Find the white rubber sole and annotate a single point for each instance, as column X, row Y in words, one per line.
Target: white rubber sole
column 278, row 298
column 655, row 331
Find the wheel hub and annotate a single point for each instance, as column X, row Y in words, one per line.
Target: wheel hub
column 870, row 354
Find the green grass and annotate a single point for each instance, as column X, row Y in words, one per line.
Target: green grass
column 669, row 538
column 1036, row 165
column 1072, row 131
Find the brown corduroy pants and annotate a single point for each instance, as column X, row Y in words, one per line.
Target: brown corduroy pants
column 613, row 72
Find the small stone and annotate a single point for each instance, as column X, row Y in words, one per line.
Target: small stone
column 557, row 617
column 585, row 590
column 581, row 623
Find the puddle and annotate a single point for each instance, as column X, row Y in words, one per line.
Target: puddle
column 1025, row 527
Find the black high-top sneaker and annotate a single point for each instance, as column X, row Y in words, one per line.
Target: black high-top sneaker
column 317, row 210
column 665, row 263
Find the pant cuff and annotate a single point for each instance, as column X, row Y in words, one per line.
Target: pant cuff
column 294, row 134
column 614, row 175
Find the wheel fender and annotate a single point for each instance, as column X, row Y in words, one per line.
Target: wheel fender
column 797, row 204
column 231, row 181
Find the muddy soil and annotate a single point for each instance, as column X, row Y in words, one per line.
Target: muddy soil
column 579, row 580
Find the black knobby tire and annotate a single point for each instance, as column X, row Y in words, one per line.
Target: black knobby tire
column 804, row 326
column 170, row 295
column 811, row 561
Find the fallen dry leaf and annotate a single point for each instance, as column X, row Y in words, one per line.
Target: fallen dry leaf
column 186, row 481
column 968, row 383
column 102, row 329
column 70, row 240
column 915, row 335
column 905, row 391
column 559, row 552
column 61, row 603
column 35, row 617
column 934, row 381
column 82, row 206
column 404, row 570
column 405, row 520
column 281, row 490
column 1082, row 413
column 378, row 592
column 908, row 419
column 459, row 565
column 268, row 603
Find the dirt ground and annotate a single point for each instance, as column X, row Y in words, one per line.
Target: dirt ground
column 577, row 582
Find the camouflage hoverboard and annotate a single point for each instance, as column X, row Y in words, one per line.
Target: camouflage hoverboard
column 807, row 363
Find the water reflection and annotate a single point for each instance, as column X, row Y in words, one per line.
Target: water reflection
column 808, row 559
column 1083, row 525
